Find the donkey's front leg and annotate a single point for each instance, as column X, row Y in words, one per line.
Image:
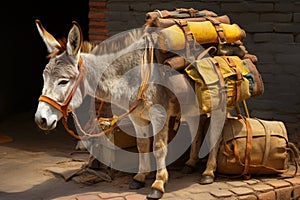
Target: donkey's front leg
column 143, row 145
column 160, row 149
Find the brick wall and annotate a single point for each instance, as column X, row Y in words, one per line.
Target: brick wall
column 98, row 30
column 273, row 34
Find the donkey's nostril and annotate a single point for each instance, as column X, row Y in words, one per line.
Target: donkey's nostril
column 43, row 121
column 53, row 124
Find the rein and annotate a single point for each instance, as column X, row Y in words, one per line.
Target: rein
column 63, row 108
column 145, row 76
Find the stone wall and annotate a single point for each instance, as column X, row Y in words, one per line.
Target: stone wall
column 273, row 34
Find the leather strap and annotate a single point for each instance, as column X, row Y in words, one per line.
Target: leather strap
column 191, row 11
column 207, row 51
column 181, row 13
column 248, row 147
column 164, row 13
column 63, row 108
column 239, row 77
column 219, row 29
column 245, row 107
column 183, row 24
column 53, row 103
column 267, row 142
column 238, row 83
column 222, row 85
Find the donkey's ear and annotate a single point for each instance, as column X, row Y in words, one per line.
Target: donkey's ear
column 49, row 40
column 74, row 40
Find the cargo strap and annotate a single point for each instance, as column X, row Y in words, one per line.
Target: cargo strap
column 248, row 148
column 180, row 13
column 245, row 107
column 267, row 142
column 222, row 85
column 183, row 24
column 191, row 43
column 219, row 29
column 239, row 77
column 192, row 12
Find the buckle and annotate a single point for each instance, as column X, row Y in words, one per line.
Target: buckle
column 238, row 82
column 222, row 41
column 218, row 29
column 182, row 23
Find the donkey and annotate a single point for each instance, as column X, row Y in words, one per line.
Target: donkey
column 108, row 71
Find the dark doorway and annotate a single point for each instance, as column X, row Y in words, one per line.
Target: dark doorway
column 23, row 53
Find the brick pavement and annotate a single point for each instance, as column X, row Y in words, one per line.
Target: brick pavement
column 186, row 187
column 24, row 175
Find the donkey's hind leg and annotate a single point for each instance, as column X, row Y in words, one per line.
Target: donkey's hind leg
column 208, row 176
column 143, row 145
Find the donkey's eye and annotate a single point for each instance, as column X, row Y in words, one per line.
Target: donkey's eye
column 63, row 82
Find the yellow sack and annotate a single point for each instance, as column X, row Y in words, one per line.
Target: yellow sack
column 220, row 79
column 173, row 37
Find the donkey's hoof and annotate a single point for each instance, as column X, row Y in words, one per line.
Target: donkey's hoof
column 136, row 184
column 206, row 179
column 188, row 169
column 155, row 194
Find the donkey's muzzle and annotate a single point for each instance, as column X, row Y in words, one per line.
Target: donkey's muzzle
column 44, row 123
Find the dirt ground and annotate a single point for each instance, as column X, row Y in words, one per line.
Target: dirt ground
column 27, row 163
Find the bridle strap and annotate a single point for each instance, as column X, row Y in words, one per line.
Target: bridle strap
column 63, row 108
column 52, row 102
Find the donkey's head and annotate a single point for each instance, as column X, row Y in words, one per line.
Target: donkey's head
column 60, row 77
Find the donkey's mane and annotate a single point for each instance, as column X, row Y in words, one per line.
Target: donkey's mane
column 118, row 42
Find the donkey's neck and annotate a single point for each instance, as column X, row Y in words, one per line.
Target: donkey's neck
column 112, row 67
column 113, row 77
